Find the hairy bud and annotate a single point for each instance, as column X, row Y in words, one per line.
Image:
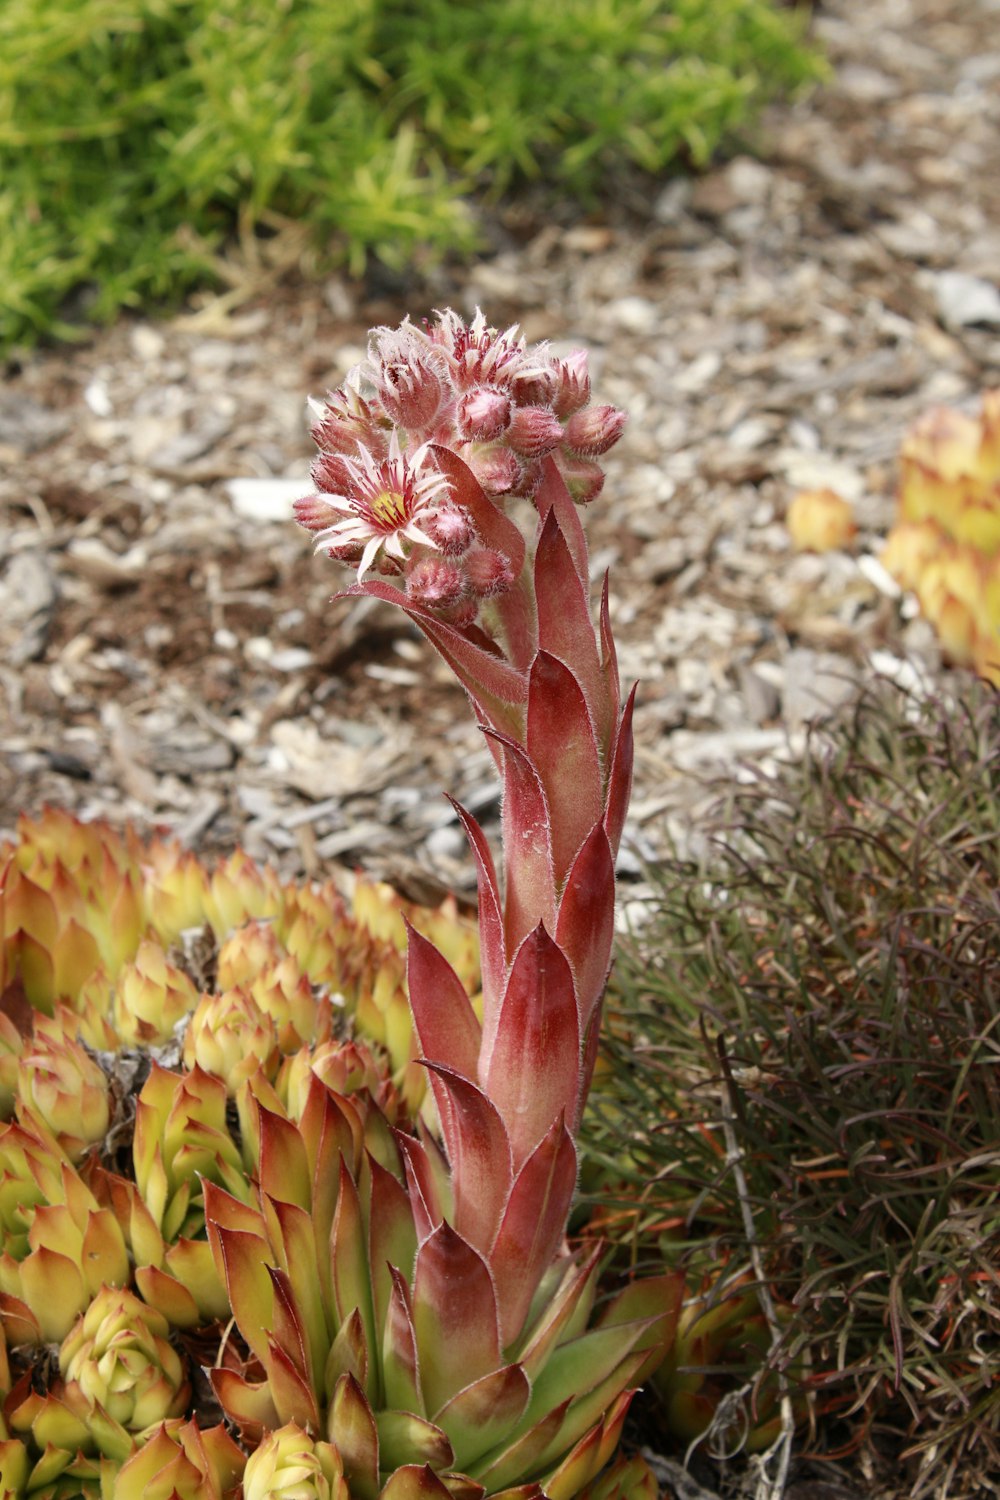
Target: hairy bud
column 483, row 414
column 534, row 431
column 435, row 582
column 595, row 430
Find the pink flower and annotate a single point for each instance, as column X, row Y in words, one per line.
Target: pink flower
column 383, row 504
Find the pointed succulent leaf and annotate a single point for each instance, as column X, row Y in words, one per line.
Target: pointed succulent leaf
column 283, row 1162
column 532, row 1074
column 400, row 1366
column 422, row 1186
column 415, row 1482
column 348, row 1355
column 563, row 750
column 404, row 1438
column 508, row 1461
column 447, row 1028
column 533, row 1225
column 479, row 1155
column 560, row 1313
column 294, row 1397
column 590, row 1454
column 589, row 1409
column 479, row 1416
column 583, row 1365
column 250, row 1404
column 349, row 1256
column 352, row 1430
column 655, row 1302
column 454, row 1317
column 244, row 1256
column 392, row 1236
column 493, row 954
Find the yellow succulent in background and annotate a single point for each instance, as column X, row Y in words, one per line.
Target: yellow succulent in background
column 820, row 520
column 945, row 545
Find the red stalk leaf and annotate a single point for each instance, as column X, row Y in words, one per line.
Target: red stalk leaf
column 562, row 748
column 585, row 927
column 454, row 1317
column 495, row 529
column 533, row 1070
column 553, row 495
column 497, row 689
column 609, row 652
column 533, row 1225
column 400, row 1365
column 479, row 1155
column 447, row 1028
column 493, row 956
column 620, row 776
column 529, row 894
column 565, row 628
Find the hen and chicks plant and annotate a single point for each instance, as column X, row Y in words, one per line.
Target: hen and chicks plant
column 343, row 1189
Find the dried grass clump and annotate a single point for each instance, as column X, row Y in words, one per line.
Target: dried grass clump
column 815, row 1011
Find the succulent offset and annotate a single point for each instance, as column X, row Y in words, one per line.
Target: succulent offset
column 349, row 1175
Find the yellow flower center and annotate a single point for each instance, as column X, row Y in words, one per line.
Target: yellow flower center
column 388, row 508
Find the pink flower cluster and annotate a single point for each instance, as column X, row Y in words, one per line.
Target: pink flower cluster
column 385, row 501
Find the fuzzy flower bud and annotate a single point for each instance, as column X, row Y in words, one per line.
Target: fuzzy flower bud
column 435, row 582
column 534, row 431
column 329, row 472
column 583, row 478
column 497, row 469
column 592, row 432
column 536, row 386
column 118, row 1356
column 61, row 1087
column 573, row 391
column 345, row 420
column 290, row 1465
column 450, row 529
column 483, row 414
column 409, row 391
column 151, row 996
column 488, row 573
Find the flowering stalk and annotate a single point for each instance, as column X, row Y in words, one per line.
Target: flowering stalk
column 420, row 1308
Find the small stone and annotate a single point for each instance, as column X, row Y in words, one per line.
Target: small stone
column 636, row 315
column 965, row 300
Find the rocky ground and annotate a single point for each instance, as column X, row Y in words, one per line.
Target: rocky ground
column 168, row 654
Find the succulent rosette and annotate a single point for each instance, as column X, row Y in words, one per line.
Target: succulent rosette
column 289, row 1465
column 945, row 545
column 151, row 997
column 59, row 1244
column 118, row 1357
column 62, row 1090
column 181, row 1461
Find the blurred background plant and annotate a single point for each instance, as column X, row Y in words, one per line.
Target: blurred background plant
column 816, row 1003
column 945, row 544
column 151, row 146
